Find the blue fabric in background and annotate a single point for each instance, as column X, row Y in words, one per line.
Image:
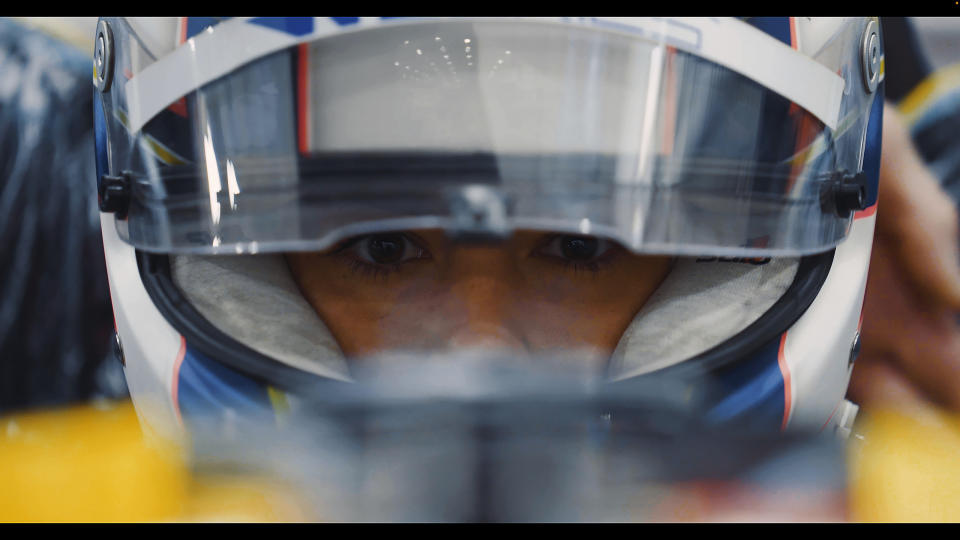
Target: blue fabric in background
column 935, row 136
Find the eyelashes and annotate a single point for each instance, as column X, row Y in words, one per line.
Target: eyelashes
column 371, row 270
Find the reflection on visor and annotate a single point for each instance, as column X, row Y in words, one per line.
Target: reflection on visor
column 535, row 126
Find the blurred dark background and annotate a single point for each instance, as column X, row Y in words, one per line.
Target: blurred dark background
column 55, row 316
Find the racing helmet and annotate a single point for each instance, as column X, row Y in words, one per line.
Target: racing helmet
column 746, row 148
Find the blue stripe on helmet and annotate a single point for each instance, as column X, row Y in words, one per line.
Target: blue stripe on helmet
column 100, row 138
column 195, row 25
column 206, row 387
column 871, row 150
column 778, row 27
column 296, row 26
column 344, row 21
column 751, row 393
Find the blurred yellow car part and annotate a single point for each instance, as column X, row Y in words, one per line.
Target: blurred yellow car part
column 93, row 463
column 905, row 467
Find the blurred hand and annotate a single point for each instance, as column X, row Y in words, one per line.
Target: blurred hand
column 910, row 335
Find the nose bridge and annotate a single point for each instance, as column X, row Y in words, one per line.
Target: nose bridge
column 483, row 283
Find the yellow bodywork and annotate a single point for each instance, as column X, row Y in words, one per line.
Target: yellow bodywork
column 93, row 463
column 905, row 467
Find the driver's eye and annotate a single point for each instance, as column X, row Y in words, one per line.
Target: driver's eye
column 385, row 249
column 579, row 248
column 575, row 248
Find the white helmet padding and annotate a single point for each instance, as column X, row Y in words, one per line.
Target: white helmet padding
column 254, row 299
column 700, row 304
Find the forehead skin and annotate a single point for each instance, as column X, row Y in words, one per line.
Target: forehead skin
column 507, row 295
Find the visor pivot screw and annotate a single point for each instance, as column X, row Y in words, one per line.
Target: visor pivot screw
column 846, row 194
column 103, row 57
column 871, row 54
column 849, row 198
column 114, row 194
